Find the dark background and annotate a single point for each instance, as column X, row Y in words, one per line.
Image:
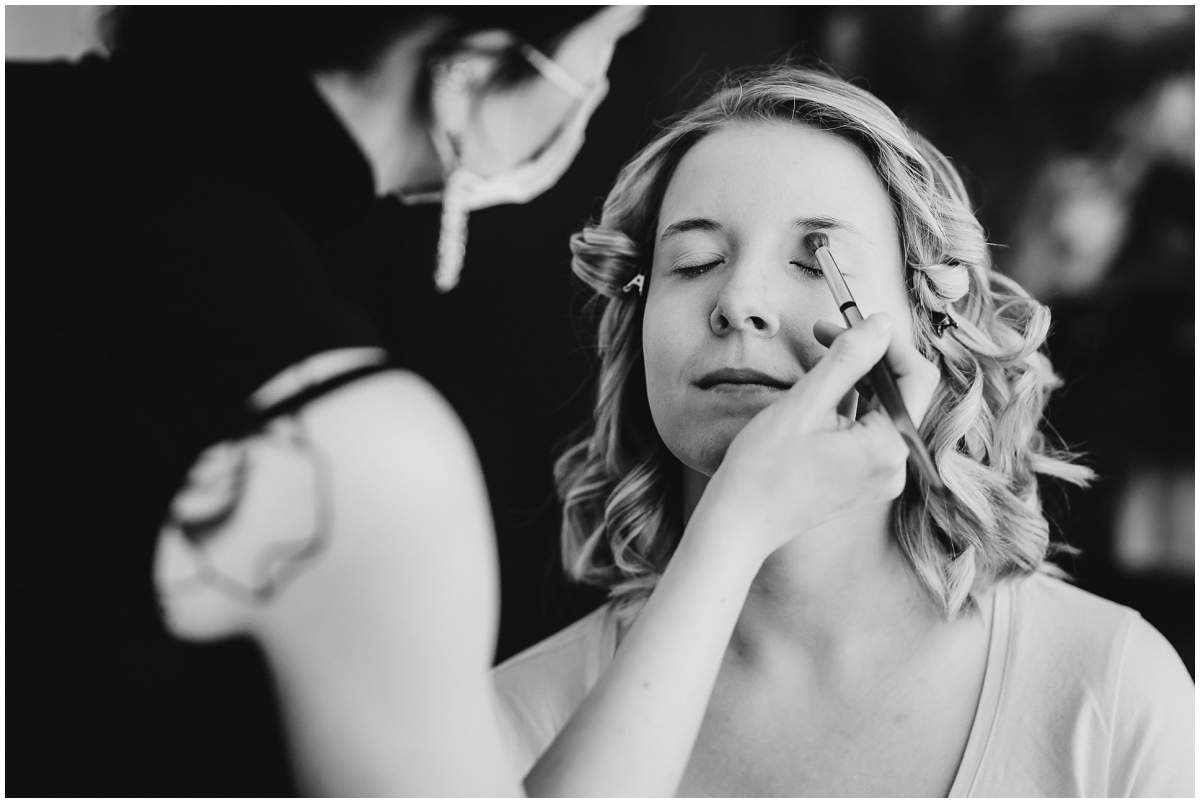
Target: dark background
column 1074, row 127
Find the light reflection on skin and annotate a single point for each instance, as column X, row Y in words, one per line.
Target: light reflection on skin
column 730, row 240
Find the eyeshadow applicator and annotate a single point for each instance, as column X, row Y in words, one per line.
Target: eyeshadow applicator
column 881, row 379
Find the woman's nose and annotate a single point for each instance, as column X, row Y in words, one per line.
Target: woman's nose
column 744, row 305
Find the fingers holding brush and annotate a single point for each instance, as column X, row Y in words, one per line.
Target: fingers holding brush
column 850, row 357
column 916, row 376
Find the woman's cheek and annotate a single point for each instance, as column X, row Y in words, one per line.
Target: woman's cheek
column 662, row 324
column 873, row 299
column 661, row 360
column 670, row 343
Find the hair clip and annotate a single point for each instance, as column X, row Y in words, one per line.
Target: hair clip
column 638, row 281
column 941, row 322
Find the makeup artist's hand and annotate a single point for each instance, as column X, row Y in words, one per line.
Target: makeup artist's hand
column 916, row 376
column 798, row 463
column 794, row 465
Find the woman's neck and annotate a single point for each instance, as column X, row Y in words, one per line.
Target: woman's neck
column 835, row 595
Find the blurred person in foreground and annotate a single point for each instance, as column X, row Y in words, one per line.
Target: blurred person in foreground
column 219, row 444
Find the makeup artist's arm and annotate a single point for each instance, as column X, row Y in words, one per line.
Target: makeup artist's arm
column 790, row 469
column 381, row 644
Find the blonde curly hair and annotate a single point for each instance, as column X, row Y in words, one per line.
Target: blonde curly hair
column 620, row 487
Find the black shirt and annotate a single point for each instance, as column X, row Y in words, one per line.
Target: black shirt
column 172, row 244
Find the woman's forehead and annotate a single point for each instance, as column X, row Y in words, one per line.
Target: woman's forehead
column 775, row 172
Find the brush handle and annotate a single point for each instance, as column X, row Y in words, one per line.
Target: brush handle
column 885, row 387
column 880, row 377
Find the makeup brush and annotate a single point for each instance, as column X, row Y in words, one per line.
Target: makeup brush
column 883, row 383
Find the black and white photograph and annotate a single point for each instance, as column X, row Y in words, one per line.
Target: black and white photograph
column 485, row 401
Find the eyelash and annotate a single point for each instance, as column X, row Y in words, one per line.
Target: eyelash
column 691, row 271
column 812, row 271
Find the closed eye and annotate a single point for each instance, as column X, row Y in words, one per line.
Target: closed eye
column 698, row 269
column 811, row 271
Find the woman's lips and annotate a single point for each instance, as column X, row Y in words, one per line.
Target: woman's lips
column 743, row 389
column 741, row 378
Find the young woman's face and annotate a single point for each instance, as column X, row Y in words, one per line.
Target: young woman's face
column 734, row 293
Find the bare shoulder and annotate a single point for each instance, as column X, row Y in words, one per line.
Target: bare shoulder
column 383, row 643
column 388, row 405
column 411, row 535
column 396, row 443
column 403, row 466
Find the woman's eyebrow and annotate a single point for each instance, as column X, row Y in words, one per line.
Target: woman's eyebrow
column 814, row 223
column 689, row 224
column 802, row 223
column 817, row 223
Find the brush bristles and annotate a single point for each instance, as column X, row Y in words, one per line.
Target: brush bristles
column 816, row 240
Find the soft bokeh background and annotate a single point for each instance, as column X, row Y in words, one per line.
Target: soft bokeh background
column 1075, row 129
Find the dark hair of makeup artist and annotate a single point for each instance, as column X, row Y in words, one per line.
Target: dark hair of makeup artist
column 316, row 38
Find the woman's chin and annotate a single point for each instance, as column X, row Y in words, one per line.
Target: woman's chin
column 705, row 452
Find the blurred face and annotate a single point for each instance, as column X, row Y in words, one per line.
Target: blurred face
column 514, row 123
column 733, row 293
